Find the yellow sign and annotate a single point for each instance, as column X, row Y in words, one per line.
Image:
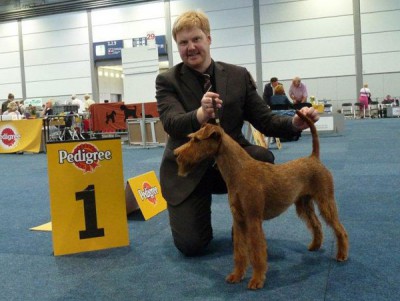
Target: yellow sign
column 20, row 135
column 87, row 196
column 259, row 138
column 147, row 192
column 319, row 107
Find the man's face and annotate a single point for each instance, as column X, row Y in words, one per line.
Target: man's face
column 194, row 48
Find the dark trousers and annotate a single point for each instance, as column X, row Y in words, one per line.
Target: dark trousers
column 190, row 220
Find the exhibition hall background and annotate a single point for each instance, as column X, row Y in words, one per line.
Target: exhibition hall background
column 335, row 46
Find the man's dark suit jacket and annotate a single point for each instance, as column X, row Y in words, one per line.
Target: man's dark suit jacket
column 179, row 94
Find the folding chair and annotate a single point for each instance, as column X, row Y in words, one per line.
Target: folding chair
column 374, row 109
column 347, row 110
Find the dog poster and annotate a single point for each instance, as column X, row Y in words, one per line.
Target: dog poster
column 111, row 117
column 87, row 198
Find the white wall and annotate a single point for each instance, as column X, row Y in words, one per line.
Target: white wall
column 127, row 22
column 312, row 39
column 10, row 67
column 56, row 54
column 380, row 27
column 232, row 30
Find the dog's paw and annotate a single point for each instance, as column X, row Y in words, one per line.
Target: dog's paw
column 341, row 257
column 314, row 246
column 255, row 283
column 234, row 278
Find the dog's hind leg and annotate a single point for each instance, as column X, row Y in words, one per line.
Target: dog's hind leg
column 305, row 210
column 328, row 210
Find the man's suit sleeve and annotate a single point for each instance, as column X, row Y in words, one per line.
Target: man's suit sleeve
column 177, row 121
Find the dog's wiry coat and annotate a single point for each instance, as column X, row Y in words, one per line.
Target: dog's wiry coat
column 259, row 191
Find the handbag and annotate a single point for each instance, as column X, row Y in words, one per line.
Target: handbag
column 368, row 95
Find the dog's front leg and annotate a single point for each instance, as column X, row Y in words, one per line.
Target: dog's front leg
column 240, row 253
column 257, row 253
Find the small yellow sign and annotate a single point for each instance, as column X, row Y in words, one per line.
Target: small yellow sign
column 147, row 192
column 20, row 135
column 87, row 197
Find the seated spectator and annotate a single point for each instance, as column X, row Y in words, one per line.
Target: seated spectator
column 388, row 99
column 12, row 110
column 298, row 91
column 21, row 107
column 279, row 101
column 48, row 109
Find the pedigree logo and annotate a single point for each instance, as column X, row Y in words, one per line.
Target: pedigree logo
column 148, row 193
column 9, row 137
column 85, row 157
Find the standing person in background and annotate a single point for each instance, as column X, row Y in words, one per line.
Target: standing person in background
column 364, row 99
column 77, row 102
column 185, row 95
column 4, row 105
column 298, row 91
column 269, row 90
column 88, row 102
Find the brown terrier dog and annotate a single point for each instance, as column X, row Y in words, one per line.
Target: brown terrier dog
column 259, row 191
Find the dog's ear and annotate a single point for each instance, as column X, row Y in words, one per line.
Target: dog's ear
column 208, row 131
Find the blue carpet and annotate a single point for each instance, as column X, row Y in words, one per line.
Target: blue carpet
column 365, row 163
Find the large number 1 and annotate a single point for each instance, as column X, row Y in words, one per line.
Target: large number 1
column 89, row 207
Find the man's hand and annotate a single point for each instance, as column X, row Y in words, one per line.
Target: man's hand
column 311, row 113
column 206, row 110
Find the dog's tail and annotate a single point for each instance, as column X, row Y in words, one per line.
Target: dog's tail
column 314, row 133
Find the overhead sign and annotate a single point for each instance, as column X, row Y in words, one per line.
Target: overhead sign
column 112, row 49
column 108, row 50
column 35, row 102
column 161, row 45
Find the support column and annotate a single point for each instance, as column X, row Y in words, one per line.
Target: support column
column 21, row 59
column 257, row 45
column 358, row 46
column 168, row 31
column 93, row 71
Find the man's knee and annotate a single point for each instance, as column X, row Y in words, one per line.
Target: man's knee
column 192, row 246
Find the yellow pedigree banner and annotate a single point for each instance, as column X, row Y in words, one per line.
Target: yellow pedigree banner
column 147, row 192
column 20, row 135
column 87, row 197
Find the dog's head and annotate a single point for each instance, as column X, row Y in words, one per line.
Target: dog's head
column 203, row 144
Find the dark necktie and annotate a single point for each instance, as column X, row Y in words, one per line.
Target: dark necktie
column 207, row 82
column 207, row 87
